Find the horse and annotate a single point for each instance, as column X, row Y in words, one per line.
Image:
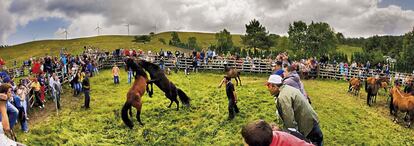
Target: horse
column 160, row 79
column 372, row 86
column 354, row 85
column 232, row 72
column 401, row 102
column 135, row 93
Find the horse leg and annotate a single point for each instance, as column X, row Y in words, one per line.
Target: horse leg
column 349, row 87
column 239, row 80
column 169, row 106
column 130, row 111
column 138, row 106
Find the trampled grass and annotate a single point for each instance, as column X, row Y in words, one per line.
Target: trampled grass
column 344, row 119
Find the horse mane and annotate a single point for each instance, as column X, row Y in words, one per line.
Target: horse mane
column 135, row 67
column 148, row 65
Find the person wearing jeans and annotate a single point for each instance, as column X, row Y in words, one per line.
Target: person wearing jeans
column 86, row 91
column 115, row 73
column 130, row 74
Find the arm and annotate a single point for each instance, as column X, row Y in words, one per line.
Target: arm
column 235, row 96
column 287, row 111
column 3, row 111
column 221, row 83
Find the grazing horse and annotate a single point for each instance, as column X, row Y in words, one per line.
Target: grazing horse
column 372, row 86
column 135, row 93
column 401, row 102
column 158, row 77
column 354, row 86
column 232, row 72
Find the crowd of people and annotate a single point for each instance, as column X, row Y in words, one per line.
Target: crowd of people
column 44, row 81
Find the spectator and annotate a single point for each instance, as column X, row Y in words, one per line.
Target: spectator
column 86, row 91
column 277, row 68
column 115, row 73
column 292, row 79
column 5, row 131
column 232, row 97
column 260, row 133
column 162, row 63
column 36, row 91
column 19, row 104
column 294, row 110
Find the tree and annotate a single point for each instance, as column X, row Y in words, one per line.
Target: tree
column 340, row 37
column 297, row 35
column 321, row 39
column 142, row 39
column 192, row 43
column 175, row 40
column 256, row 36
column 162, row 40
column 224, row 41
column 407, row 55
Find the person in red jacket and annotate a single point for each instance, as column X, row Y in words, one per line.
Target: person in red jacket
column 36, row 68
column 260, row 133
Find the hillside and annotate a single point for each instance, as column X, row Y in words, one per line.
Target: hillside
column 110, row 42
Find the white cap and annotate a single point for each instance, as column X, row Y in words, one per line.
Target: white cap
column 275, row 79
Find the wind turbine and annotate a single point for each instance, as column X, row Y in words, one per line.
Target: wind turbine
column 99, row 29
column 66, row 33
column 127, row 25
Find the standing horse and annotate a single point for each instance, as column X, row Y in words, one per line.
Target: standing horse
column 158, row 77
column 401, row 102
column 135, row 93
column 354, row 86
column 372, row 86
column 232, row 72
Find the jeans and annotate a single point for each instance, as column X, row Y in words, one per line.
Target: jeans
column 87, row 98
column 316, row 136
column 232, row 108
column 56, row 97
column 116, row 79
column 12, row 113
column 130, row 74
column 96, row 71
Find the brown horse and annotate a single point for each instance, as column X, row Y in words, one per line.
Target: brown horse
column 354, row 86
column 372, row 86
column 232, row 73
column 135, row 93
column 401, row 102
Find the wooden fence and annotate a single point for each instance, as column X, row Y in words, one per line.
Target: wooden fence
column 251, row 66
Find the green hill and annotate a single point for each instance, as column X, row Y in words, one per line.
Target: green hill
column 110, row 42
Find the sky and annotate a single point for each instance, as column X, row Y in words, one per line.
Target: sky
column 28, row 20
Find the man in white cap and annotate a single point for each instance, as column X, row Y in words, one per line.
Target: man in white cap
column 294, row 110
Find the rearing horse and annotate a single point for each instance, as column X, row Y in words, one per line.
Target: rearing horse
column 158, row 77
column 135, row 93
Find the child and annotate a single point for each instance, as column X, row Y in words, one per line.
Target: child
column 232, row 97
column 261, row 133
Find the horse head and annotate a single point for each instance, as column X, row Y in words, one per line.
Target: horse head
column 148, row 66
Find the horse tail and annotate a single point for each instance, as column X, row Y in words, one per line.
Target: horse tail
column 125, row 117
column 183, row 97
column 366, row 85
column 392, row 109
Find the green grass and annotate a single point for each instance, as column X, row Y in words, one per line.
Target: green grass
column 24, row 51
column 349, row 50
column 344, row 119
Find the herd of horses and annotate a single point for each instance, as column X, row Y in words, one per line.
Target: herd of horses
column 142, row 84
column 400, row 101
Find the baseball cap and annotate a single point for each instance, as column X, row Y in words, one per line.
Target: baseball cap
column 275, row 79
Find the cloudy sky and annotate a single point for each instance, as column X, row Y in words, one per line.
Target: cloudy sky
column 27, row 20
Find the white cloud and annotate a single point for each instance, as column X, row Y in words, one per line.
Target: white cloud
column 352, row 17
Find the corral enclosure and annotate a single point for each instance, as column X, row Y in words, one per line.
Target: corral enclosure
column 344, row 119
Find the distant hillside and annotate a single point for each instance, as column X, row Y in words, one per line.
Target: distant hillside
column 110, row 42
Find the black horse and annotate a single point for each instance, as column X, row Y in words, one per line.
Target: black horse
column 372, row 86
column 158, row 77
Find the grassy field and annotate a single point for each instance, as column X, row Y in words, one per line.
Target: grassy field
column 111, row 42
column 344, row 119
column 348, row 50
